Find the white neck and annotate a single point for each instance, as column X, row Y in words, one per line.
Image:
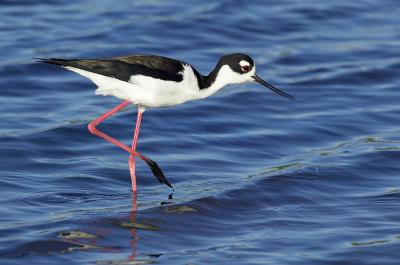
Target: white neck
column 225, row 77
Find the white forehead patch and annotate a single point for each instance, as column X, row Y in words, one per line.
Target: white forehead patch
column 244, row 63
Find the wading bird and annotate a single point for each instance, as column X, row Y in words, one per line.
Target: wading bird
column 150, row 81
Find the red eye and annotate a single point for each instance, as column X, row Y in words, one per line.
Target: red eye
column 245, row 68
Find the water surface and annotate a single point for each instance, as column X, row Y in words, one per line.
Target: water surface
column 258, row 179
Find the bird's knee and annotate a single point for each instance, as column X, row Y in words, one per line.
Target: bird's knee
column 92, row 128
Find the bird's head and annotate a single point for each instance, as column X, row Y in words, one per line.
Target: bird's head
column 240, row 68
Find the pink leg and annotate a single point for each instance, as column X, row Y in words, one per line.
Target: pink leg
column 131, row 161
column 92, row 128
column 153, row 165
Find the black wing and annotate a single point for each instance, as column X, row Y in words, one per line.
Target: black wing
column 124, row 67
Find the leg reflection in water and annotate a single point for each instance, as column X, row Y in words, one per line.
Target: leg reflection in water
column 132, row 218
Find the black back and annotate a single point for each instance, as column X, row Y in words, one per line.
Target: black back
column 123, row 68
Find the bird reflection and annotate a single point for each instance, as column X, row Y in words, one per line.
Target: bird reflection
column 135, row 225
column 132, row 218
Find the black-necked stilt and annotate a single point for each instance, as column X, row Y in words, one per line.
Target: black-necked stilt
column 150, row 81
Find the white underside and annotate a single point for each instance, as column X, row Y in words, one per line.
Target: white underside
column 146, row 91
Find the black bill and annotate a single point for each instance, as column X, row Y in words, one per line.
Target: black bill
column 280, row 92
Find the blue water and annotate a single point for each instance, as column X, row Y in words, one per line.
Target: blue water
column 258, row 179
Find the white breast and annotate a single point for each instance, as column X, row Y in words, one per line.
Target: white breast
column 146, row 91
column 160, row 93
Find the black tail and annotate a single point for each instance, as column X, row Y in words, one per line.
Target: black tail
column 60, row 62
